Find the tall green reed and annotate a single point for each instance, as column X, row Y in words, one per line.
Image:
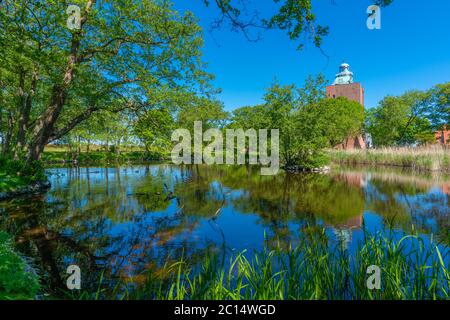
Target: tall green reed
column 315, row 269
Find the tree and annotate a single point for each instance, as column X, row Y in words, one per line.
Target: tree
column 55, row 77
column 210, row 112
column 342, row 118
column 325, row 124
column 154, row 130
column 154, row 126
column 440, row 105
column 121, row 55
column 296, row 17
column 308, row 122
column 249, row 117
column 401, row 120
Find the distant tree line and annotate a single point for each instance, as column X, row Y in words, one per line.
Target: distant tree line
column 411, row 118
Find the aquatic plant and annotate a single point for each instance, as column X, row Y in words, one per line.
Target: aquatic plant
column 430, row 158
column 315, row 269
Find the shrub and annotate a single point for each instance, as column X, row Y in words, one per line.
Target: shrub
column 18, row 173
column 16, row 282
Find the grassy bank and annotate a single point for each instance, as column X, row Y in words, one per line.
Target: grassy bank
column 17, row 280
column 313, row 270
column 435, row 158
column 17, row 174
column 97, row 157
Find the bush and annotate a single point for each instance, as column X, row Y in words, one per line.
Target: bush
column 16, row 282
column 18, row 173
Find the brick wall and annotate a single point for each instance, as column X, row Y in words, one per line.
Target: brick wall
column 352, row 91
column 443, row 136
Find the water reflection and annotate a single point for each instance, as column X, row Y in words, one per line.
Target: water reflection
column 121, row 222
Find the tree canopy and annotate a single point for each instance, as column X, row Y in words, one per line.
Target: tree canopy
column 124, row 56
column 411, row 118
column 308, row 122
column 296, row 17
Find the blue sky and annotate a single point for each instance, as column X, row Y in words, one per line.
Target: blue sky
column 411, row 51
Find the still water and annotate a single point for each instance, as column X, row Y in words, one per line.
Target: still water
column 120, row 222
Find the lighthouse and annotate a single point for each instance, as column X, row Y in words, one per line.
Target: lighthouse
column 344, row 86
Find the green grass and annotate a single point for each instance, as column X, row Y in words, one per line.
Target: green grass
column 313, row 270
column 10, row 182
column 16, row 279
column 15, row 174
column 97, row 157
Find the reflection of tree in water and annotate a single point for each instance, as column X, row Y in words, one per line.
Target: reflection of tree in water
column 128, row 221
column 285, row 199
column 109, row 232
column 200, row 196
column 402, row 204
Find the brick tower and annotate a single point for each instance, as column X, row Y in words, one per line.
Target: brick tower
column 343, row 86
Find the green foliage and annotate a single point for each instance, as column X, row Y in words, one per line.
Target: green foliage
column 410, row 118
column 154, row 130
column 342, row 118
column 210, row 112
column 16, row 282
column 154, row 127
column 19, row 173
column 124, row 55
column 296, row 18
column 308, row 122
column 410, row 270
column 440, row 105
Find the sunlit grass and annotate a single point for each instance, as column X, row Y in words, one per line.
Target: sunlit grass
column 430, row 158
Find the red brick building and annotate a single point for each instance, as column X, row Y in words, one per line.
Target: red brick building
column 352, row 91
column 443, row 136
column 344, row 86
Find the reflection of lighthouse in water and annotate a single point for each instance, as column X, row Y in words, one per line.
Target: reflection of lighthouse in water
column 343, row 236
column 343, row 232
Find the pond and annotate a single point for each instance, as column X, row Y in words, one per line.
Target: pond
column 118, row 222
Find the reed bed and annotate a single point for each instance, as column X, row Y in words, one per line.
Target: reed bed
column 430, row 158
column 314, row 270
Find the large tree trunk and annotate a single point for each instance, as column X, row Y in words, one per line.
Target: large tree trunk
column 25, row 109
column 45, row 125
column 22, row 110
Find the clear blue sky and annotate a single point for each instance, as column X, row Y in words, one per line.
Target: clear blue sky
column 411, row 51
